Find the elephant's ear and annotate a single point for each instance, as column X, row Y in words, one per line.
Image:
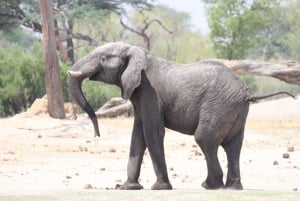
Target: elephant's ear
column 131, row 77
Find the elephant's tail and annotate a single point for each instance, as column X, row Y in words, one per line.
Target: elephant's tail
column 254, row 98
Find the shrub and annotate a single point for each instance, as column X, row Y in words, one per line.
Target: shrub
column 97, row 93
column 21, row 78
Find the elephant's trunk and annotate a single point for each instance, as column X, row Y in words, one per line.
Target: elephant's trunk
column 75, row 79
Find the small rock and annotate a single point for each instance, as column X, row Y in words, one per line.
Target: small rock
column 102, row 169
column 39, row 136
column 88, row 141
column 295, row 189
column 83, row 149
column 197, row 153
column 88, row 186
column 11, row 152
column 194, row 146
column 171, row 168
column 291, row 149
column 68, row 177
column 182, row 144
column 117, row 186
column 275, row 163
column 112, row 150
column 286, row 155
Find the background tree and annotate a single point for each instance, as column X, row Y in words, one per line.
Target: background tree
column 279, row 38
column 142, row 32
column 26, row 13
column 235, row 23
column 52, row 72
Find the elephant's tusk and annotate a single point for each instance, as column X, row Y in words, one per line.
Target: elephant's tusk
column 75, row 73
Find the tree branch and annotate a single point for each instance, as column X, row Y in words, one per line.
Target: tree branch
column 160, row 23
column 142, row 31
column 80, row 36
column 130, row 28
column 287, row 71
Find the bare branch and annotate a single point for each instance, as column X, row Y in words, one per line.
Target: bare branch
column 88, row 38
column 130, row 28
column 161, row 24
column 142, row 31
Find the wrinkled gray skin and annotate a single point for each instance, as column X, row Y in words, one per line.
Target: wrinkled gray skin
column 204, row 99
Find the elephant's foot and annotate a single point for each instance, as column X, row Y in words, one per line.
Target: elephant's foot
column 212, row 185
column 234, row 185
column 130, row 186
column 162, row 186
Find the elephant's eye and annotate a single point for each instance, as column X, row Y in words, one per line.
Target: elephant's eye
column 102, row 58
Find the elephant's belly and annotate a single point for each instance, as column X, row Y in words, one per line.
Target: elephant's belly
column 184, row 123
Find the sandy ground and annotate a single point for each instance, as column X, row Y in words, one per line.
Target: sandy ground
column 39, row 154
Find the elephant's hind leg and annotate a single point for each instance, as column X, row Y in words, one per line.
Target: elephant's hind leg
column 209, row 147
column 233, row 150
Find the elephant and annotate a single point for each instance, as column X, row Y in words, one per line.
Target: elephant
column 203, row 99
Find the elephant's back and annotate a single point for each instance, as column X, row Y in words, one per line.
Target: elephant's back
column 197, row 78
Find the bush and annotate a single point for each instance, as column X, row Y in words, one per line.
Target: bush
column 97, row 93
column 21, row 78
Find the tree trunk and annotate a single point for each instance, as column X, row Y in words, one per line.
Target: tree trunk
column 287, row 71
column 52, row 71
column 115, row 107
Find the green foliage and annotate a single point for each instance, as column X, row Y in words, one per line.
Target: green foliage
column 271, row 43
column 64, row 67
column 21, row 78
column 292, row 11
column 235, row 23
column 98, row 93
column 7, row 19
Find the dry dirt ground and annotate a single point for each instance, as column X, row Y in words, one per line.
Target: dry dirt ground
column 40, row 154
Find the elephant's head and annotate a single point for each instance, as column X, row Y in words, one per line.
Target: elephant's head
column 114, row 63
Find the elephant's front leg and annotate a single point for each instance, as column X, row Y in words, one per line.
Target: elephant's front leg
column 154, row 137
column 137, row 149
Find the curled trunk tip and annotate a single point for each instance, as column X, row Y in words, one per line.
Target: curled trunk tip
column 74, row 85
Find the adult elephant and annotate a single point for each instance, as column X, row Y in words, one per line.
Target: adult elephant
column 204, row 99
